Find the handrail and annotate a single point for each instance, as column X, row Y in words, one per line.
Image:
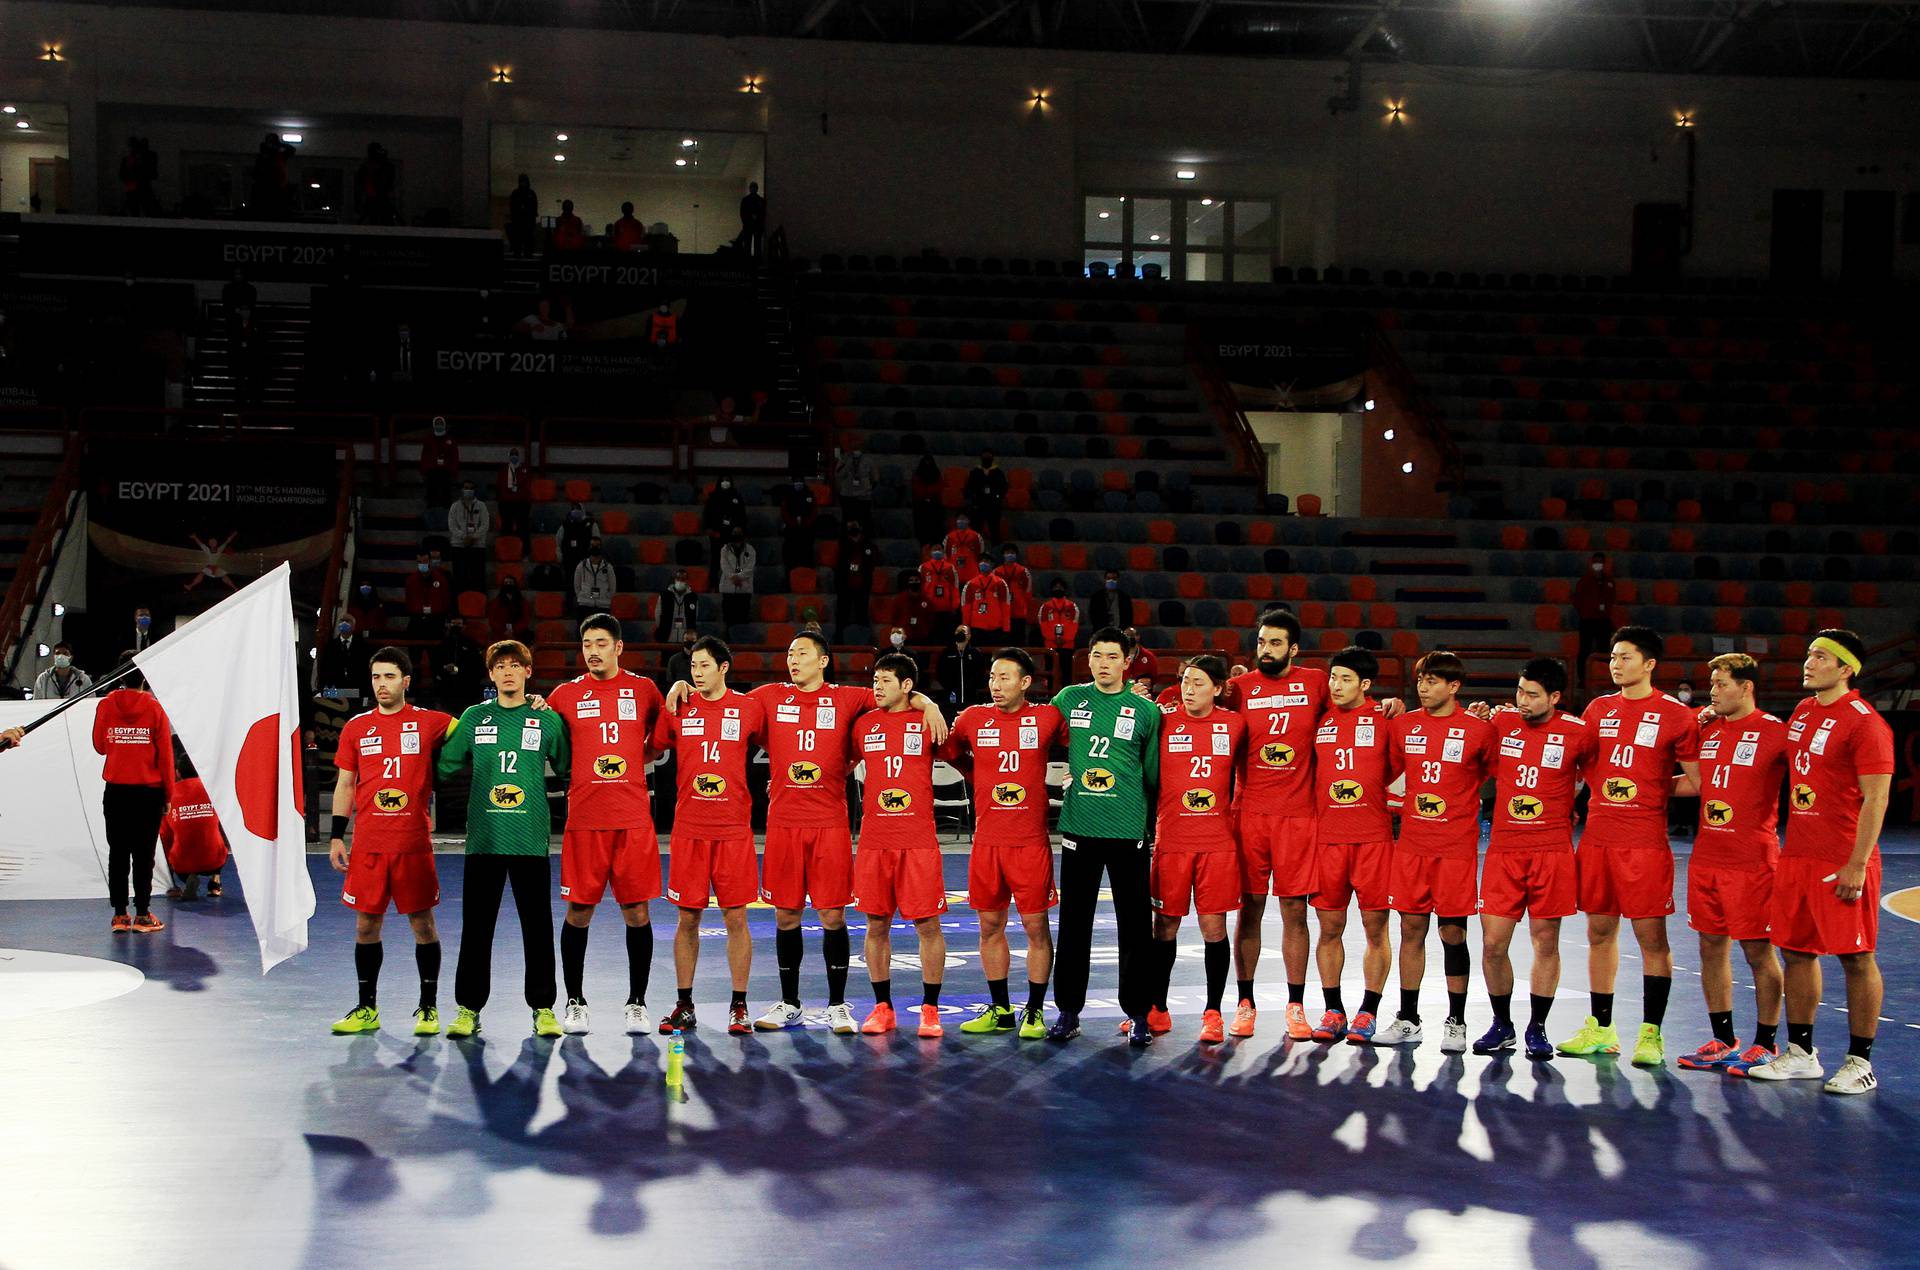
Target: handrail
column 1386, row 361
column 1220, row 398
column 54, row 514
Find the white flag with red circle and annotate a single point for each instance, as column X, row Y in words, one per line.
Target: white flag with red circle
column 228, row 681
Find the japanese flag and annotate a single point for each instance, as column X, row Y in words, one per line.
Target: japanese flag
column 227, row 681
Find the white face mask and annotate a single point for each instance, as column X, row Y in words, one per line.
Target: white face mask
column 1598, row 567
column 1685, row 695
column 897, row 639
column 679, row 585
column 61, row 661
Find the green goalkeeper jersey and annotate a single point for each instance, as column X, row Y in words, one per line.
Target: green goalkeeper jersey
column 1113, row 755
column 509, row 748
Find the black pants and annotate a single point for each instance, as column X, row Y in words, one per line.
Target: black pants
column 1594, row 633
column 133, row 814
column 469, row 568
column 513, row 519
column 487, row 879
column 736, row 608
column 1125, row 862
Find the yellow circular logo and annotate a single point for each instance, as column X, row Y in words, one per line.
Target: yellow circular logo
column 1344, row 792
column 1718, row 814
column 1803, row 798
column 390, row 800
column 507, row 796
column 895, row 800
column 1277, row 754
column 1098, row 779
column 1009, row 794
column 1198, row 799
column 610, row 767
column 1524, row 807
column 803, row 773
column 1618, row 789
column 709, row 785
column 1429, row 807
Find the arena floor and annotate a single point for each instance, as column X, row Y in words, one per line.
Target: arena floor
column 203, row 1116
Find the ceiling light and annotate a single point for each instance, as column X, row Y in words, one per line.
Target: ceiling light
column 751, row 84
column 1407, row 467
column 1387, row 435
column 1683, row 119
column 686, row 142
column 679, row 163
column 1369, row 404
column 313, row 185
column 291, row 138
column 1186, row 174
column 559, row 158
column 502, row 75
column 59, row 609
column 23, row 124
column 42, row 649
column 1206, row 202
column 51, row 53
column 9, row 110
column 1105, row 215
column 559, row 136
column 1153, row 238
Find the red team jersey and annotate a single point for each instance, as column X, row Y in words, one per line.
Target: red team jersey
column 1741, row 767
column 1281, row 716
column 710, row 742
column 1636, row 745
column 1446, row 761
column 1010, row 751
column 1535, row 772
column 391, row 758
column 807, row 747
column 1828, row 749
column 1197, row 760
column 1355, row 765
column 897, row 806
column 609, row 723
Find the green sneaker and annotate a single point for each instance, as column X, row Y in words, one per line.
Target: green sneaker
column 992, row 1018
column 544, row 1024
column 362, row 1018
column 465, row 1022
column 1651, row 1051
column 1591, row 1039
column 426, row 1021
column 1033, row 1025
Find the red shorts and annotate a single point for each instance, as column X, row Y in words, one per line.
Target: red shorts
column 1730, row 902
column 1629, row 882
column 904, row 882
column 1022, row 875
column 1349, row 869
column 1516, row 884
column 1277, row 850
column 724, row 866
column 408, row 878
column 1807, row 916
column 591, row 858
column 1433, row 884
column 1211, row 879
column 815, row 862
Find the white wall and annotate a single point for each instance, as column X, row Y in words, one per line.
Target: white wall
column 16, row 171
column 1311, row 453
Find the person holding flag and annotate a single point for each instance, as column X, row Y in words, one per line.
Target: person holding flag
column 132, row 733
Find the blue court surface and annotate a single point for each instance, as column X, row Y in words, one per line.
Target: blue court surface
column 202, row 1116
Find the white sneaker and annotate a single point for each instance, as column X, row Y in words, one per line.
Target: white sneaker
column 574, row 1023
column 840, row 1019
column 639, row 1022
column 779, row 1016
column 1453, row 1037
column 1398, row 1032
column 1795, row 1064
column 1854, row 1077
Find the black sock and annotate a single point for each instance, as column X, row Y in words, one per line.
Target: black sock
column 1457, row 1006
column 738, row 1001
column 366, row 968
column 1245, row 987
column 639, row 962
column 1603, row 1008
column 1219, row 960
column 997, row 989
column 1800, row 1034
column 1369, row 1001
column 787, row 949
column 929, row 993
column 427, row 958
column 1410, row 1004
column 573, row 960
column 1036, row 996
column 883, row 992
column 119, row 910
column 1296, row 994
column 1860, row 1047
column 1722, row 1023
column 1766, row 1035
column 1333, row 999
column 1654, row 991
column 835, row 946
column 1167, row 951
column 1502, row 1003
column 686, row 996
column 1538, row 1008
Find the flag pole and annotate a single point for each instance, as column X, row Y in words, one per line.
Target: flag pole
column 125, row 672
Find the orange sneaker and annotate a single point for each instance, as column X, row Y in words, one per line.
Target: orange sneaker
column 147, row 924
column 1243, row 1020
column 930, row 1025
column 121, row 923
column 1159, row 1022
column 879, row 1021
column 1297, row 1026
column 1212, row 1027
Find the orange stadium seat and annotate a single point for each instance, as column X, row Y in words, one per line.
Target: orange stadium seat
column 1312, row 614
column 1626, row 509
column 1382, row 617
column 1192, row 586
column 653, row 551
column 1363, row 587
column 471, row 603
column 697, row 578
column 748, row 662
column 774, row 608
column 579, row 491
column 686, row 524
column 626, row 607
column 1865, row 595
column 1243, row 613
column 1732, row 594
column 1626, row 591
column 1161, row 531
column 1143, row 559
column 1781, row 513
column 1800, row 595
column 1577, row 538
column 1259, row 586
column 1347, row 614
column 1225, row 640
column 614, row 521
column 1190, row 640
column 1546, row 617
column 1794, row 646
column 549, row 605
column 546, row 550
column 555, row 632
column 1617, row 537
column 1308, row 504
column 1513, row 537
column 780, row 634
column 1260, row 533
column 1558, row 591
column 509, row 547
column 1406, row 644
column 1680, row 538
column 806, row 581
column 543, row 489
column 1687, row 511
column 1115, row 479
column 1553, row 508
column 1073, row 555
column 1333, row 641
column 1040, row 556
column 1666, row 591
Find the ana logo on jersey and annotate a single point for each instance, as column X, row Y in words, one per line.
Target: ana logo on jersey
column 610, row 767
column 390, row 800
column 1009, row 794
column 1277, row 754
column 1523, row 807
column 1097, row 779
column 1198, row 800
column 1803, row 797
column 1429, row 807
column 1344, row 792
column 708, row 785
column 803, row 773
column 1618, row 789
column 895, row 800
column 1718, row 814
column 505, row 796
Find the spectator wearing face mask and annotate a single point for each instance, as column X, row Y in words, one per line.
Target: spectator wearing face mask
column 738, row 560
column 593, row 581
column 63, row 679
column 680, row 666
column 364, row 607
column 468, row 524
column 964, row 546
column 1143, row 665
column 853, row 479
column 799, row 510
column 1110, row 606
column 929, row 502
column 986, row 494
column 509, row 616
column 962, row 670
column 1593, row 599
column 986, row 605
column 679, row 611
column 142, row 628
column 1020, row 586
column 439, row 463
column 513, row 490
column 344, row 658
column 725, row 512
column 895, row 640
column 1060, row 631
column 912, row 611
column 853, row 580
column 459, row 672
column 429, row 597
column 576, row 532
column 940, row 584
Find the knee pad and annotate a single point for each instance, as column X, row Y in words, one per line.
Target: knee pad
column 1457, row 959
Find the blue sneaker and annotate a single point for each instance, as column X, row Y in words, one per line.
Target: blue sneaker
column 1539, row 1048
column 1139, row 1032
column 1498, row 1039
column 1064, row 1028
column 1332, row 1026
column 1751, row 1057
column 1361, row 1030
